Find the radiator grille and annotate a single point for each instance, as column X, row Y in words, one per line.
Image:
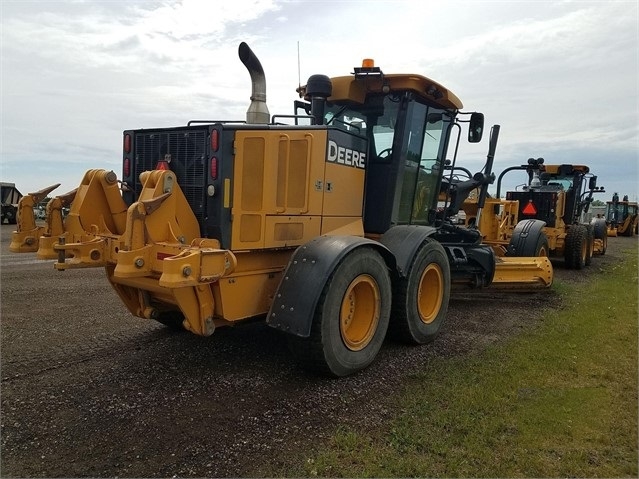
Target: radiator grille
column 188, row 150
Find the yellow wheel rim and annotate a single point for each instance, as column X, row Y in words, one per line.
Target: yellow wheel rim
column 430, row 293
column 359, row 314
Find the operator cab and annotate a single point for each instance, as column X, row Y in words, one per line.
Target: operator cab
column 405, row 156
column 407, row 121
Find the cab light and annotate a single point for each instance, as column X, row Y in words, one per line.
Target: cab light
column 368, row 63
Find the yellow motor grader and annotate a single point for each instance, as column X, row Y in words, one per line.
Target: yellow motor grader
column 324, row 222
column 621, row 216
column 541, row 217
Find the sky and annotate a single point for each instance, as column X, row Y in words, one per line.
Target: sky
column 559, row 77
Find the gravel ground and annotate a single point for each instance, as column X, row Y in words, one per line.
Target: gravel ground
column 89, row 390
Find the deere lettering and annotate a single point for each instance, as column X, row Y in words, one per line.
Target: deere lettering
column 345, row 156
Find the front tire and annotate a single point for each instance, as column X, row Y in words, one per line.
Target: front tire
column 420, row 300
column 351, row 317
column 530, row 246
column 600, row 232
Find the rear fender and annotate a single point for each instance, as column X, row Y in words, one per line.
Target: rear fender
column 404, row 241
column 305, row 277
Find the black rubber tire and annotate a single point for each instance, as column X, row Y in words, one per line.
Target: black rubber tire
column 590, row 236
column 599, row 228
column 629, row 231
column 325, row 350
column 530, row 246
column 407, row 323
column 600, row 232
column 576, row 247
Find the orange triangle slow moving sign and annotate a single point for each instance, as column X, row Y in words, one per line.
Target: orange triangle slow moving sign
column 529, row 209
column 162, row 165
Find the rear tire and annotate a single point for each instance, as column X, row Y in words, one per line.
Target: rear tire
column 576, row 247
column 420, row 301
column 351, row 317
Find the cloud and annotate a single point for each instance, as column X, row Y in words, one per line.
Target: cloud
column 560, row 77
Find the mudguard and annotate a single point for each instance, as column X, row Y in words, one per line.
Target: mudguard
column 524, row 238
column 403, row 241
column 304, row 279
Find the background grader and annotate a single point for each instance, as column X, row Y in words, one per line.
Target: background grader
column 328, row 226
column 9, row 198
column 542, row 218
column 621, row 216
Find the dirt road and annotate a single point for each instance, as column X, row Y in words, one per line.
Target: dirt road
column 89, row 390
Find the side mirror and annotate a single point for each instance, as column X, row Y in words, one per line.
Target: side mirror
column 592, row 183
column 476, row 127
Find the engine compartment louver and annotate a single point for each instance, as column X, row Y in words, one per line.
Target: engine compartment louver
column 187, row 150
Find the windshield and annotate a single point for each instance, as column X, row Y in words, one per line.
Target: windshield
column 620, row 212
column 563, row 182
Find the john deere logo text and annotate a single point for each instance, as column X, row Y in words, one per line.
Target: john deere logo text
column 345, row 156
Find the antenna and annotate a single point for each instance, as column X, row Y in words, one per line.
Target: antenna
column 299, row 74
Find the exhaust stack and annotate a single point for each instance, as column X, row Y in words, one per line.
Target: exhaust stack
column 258, row 111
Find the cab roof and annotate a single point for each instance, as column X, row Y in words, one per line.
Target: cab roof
column 352, row 89
column 563, row 169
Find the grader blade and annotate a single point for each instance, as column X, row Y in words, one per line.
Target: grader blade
column 522, row 273
column 25, row 238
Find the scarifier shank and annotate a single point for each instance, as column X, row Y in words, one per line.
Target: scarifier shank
column 25, row 238
column 157, row 258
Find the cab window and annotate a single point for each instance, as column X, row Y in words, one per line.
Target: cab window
column 425, row 142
